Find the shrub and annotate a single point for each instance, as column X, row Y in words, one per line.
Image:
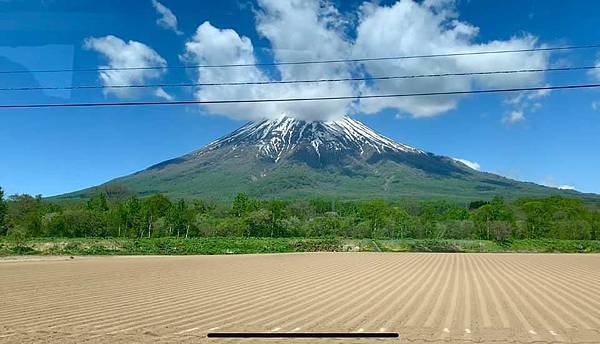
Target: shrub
column 432, row 245
column 329, row 245
column 500, row 230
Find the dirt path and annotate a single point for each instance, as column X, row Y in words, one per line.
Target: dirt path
column 445, row 298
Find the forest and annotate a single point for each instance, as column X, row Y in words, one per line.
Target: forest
column 111, row 215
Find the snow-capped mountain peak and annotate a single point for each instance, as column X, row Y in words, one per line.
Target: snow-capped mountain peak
column 277, row 138
column 343, row 159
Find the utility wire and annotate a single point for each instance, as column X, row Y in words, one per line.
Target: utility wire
column 270, row 82
column 487, row 52
column 278, row 100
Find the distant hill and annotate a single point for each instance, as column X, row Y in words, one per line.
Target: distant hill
column 289, row 158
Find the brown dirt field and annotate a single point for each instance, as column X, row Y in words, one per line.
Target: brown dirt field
column 445, row 298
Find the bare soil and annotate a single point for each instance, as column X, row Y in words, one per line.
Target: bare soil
column 425, row 297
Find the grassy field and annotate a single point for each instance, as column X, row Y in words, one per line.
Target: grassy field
column 229, row 245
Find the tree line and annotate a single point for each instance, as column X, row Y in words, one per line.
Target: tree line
column 107, row 214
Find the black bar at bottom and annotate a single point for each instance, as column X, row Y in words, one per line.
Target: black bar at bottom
column 303, row 335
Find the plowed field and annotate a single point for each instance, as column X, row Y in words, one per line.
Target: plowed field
column 443, row 298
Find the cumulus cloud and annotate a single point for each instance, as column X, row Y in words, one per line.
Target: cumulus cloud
column 167, row 19
column 409, row 28
column 211, row 45
column 315, row 30
column 470, row 164
column 121, row 54
column 297, row 30
column 513, row 117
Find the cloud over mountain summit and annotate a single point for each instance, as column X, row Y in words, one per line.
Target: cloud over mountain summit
column 316, row 30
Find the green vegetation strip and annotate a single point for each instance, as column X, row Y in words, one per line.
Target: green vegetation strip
column 229, row 245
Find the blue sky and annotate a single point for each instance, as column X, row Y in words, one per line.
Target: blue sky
column 545, row 138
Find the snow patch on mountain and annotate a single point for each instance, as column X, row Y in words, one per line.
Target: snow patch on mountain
column 274, row 138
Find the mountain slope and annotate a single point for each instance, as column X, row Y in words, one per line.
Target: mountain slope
column 289, row 158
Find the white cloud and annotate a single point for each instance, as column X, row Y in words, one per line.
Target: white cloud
column 513, row 117
column 308, row 30
column 523, row 102
column 121, row 54
column 315, row 30
column 470, row 164
column 161, row 93
column 297, row 30
column 595, row 73
column 551, row 182
column 521, row 98
column 595, row 105
column 409, row 28
column 566, row 187
column 167, row 19
column 211, row 45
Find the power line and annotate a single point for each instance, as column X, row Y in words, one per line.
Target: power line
column 270, row 82
column 366, row 59
column 278, row 100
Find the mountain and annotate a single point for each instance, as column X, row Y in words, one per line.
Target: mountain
column 290, row 158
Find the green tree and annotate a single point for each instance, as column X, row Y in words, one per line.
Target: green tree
column 259, row 223
column 477, row 204
column 117, row 220
column 300, row 209
column 202, row 207
column 115, row 192
column 595, row 225
column 81, row 223
column 132, row 217
column 153, row 208
column 557, row 217
column 403, row 223
column 375, row 213
column 329, row 224
column 500, row 230
column 25, row 215
column 3, row 209
column 180, row 219
column 240, row 204
column 231, row 226
column 361, row 230
column 486, row 216
column 54, row 225
column 460, row 229
column 442, row 210
column 98, row 202
column 322, row 206
column 291, row 227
